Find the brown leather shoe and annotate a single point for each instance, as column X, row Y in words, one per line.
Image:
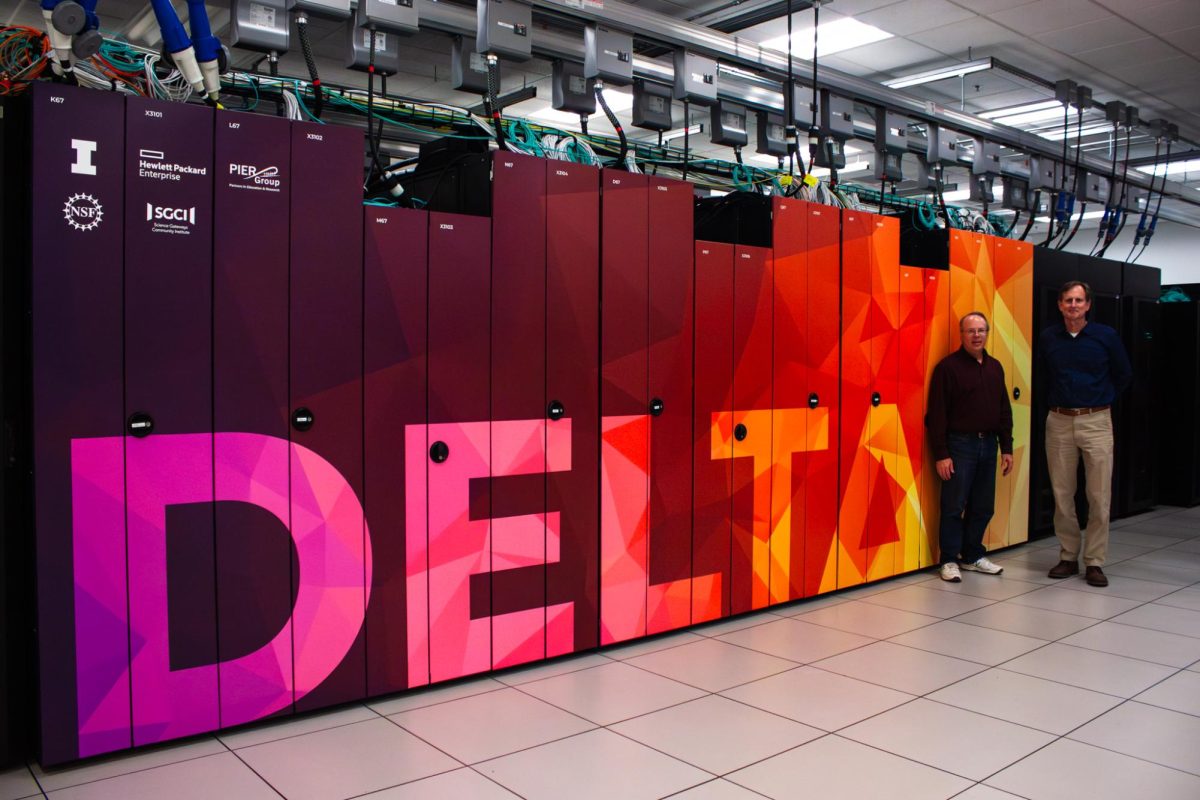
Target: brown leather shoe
column 1064, row 569
column 1095, row 577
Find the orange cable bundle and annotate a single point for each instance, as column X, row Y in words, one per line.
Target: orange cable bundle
column 24, row 56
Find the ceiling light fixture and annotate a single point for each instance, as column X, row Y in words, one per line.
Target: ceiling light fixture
column 836, row 35
column 941, row 74
column 856, row 166
column 1174, row 168
column 679, row 133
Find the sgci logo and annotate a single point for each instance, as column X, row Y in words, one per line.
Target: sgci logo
column 187, row 215
column 83, row 212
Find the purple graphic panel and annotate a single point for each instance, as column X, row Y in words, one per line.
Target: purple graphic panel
column 77, row 211
column 250, row 395
column 326, row 346
column 327, row 534
column 573, row 379
column 394, row 262
column 168, row 378
column 517, row 505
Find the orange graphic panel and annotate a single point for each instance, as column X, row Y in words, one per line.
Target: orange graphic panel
column 938, row 345
column 1014, row 294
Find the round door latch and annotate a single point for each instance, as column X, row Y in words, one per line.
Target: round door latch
column 656, row 407
column 876, row 399
column 302, row 419
column 140, row 424
column 739, row 432
column 439, row 452
column 813, row 400
column 555, row 410
column 1016, row 393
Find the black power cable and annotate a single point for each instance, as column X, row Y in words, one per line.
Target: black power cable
column 376, row 161
column 1075, row 177
column 1037, row 198
column 490, row 101
column 1111, row 235
column 814, row 133
column 311, row 63
column 616, row 123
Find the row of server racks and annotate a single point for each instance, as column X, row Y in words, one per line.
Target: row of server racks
column 280, row 450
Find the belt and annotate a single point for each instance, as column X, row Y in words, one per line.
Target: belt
column 975, row 434
column 1078, row 412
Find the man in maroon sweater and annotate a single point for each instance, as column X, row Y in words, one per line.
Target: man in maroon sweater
column 968, row 414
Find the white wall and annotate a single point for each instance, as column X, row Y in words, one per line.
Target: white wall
column 1175, row 249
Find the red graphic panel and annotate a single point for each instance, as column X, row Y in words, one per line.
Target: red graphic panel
column 1014, row 294
column 713, row 386
column 395, row 357
column 573, row 379
column 518, row 366
column 825, row 385
column 790, row 390
column 326, row 329
column 669, row 603
column 751, row 446
column 858, row 308
column 886, row 483
column 459, row 447
column 624, row 399
column 911, row 409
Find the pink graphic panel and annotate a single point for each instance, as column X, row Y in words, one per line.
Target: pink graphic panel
column 101, row 616
column 416, row 546
column 164, row 470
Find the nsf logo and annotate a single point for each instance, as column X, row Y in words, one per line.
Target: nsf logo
column 83, row 212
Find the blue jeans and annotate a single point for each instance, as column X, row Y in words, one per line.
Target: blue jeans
column 968, row 498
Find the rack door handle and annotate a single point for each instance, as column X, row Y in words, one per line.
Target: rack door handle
column 740, row 432
column 555, row 410
column 439, row 452
column 302, row 419
column 656, row 407
column 140, row 424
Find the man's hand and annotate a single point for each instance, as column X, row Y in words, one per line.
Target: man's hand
column 1005, row 463
column 945, row 468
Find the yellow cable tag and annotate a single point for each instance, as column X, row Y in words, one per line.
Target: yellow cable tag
column 785, row 180
column 809, row 180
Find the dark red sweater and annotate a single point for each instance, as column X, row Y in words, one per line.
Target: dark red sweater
column 968, row 397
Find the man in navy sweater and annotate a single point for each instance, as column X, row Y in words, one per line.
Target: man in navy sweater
column 1087, row 367
column 968, row 415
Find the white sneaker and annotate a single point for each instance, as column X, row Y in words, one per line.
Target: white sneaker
column 950, row 572
column 984, row 564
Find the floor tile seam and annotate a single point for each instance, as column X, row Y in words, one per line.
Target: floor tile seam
column 715, row 623
column 1030, row 636
column 1138, row 604
column 706, row 690
column 1177, row 586
column 688, row 789
column 989, row 600
column 944, row 655
column 434, row 687
column 986, row 786
column 42, row 789
column 624, row 719
column 422, row 739
column 754, row 650
column 906, row 758
column 716, row 775
column 369, row 794
column 932, row 621
column 1074, row 685
column 776, row 713
column 1135, row 699
column 1078, row 614
column 816, row 665
column 474, row 764
column 1027, row 726
column 1121, row 655
column 1130, row 755
column 1148, row 628
column 260, row 776
column 1035, row 587
column 556, row 674
column 122, row 774
column 284, row 721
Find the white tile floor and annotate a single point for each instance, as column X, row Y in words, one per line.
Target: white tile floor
column 998, row 687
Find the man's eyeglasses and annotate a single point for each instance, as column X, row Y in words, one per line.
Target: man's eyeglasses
column 976, row 331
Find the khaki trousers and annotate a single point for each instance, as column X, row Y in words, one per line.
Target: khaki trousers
column 1067, row 438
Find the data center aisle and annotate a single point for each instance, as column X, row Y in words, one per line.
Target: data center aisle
column 998, row 687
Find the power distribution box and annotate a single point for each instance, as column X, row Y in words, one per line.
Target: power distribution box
column 836, row 115
column 1042, row 173
column 987, row 158
column 387, row 49
column 260, row 25
column 1094, row 188
column 1015, row 193
column 331, row 9
column 608, row 55
column 572, row 91
column 652, row 107
column 982, row 188
column 695, row 78
column 891, row 132
column 729, row 124
column 888, row 166
column 468, row 68
column 393, row 16
column 940, row 147
column 772, row 135
column 504, row 28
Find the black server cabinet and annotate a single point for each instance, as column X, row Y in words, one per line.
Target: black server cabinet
column 1137, row 426
column 1179, row 404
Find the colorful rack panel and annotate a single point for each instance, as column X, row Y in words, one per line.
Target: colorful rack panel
column 292, row 451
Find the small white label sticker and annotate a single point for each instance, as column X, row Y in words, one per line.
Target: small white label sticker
column 262, row 16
